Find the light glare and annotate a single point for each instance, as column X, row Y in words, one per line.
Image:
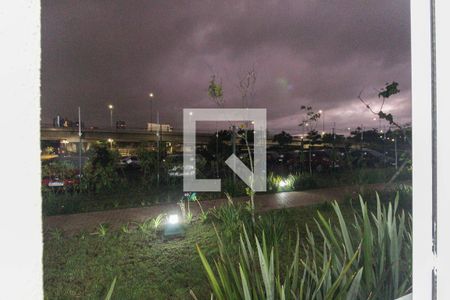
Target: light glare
column 173, row 219
column 283, row 183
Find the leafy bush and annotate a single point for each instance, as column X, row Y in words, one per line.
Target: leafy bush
column 100, row 173
column 233, row 189
column 367, row 259
column 297, row 182
column 230, row 216
column 59, row 168
column 273, row 225
column 277, row 183
column 258, row 275
column 148, row 163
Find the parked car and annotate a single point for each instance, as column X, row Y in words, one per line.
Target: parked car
column 174, row 165
column 55, row 181
column 130, row 161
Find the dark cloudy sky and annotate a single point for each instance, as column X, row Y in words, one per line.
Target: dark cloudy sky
column 319, row 53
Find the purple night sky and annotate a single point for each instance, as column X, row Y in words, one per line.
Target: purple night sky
column 319, row 53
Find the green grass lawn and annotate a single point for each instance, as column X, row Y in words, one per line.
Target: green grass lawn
column 146, row 267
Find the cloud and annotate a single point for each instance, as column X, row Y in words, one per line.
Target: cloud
column 321, row 53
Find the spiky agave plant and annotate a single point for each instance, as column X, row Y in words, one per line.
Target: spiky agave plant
column 258, row 274
column 386, row 247
column 367, row 259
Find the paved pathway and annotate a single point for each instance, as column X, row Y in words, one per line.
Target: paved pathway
column 74, row 223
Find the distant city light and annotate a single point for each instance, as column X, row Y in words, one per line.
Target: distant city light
column 110, row 106
column 151, row 95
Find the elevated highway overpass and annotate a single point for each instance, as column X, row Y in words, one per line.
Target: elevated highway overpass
column 118, row 135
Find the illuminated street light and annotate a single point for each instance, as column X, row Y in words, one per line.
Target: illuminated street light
column 151, row 96
column 111, row 108
column 110, row 141
column 323, row 119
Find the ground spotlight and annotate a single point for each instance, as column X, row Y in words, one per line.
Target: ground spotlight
column 173, row 219
column 283, row 183
column 173, row 228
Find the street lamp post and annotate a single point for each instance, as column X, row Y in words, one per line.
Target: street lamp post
column 395, row 151
column 323, row 121
column 81, row 144
column 151, row 96
column 111, row 108
column 158, row 146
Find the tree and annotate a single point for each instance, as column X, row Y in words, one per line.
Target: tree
column 246, row 87
column 100, row 173
column 389, row 90
column 215, row 91
column 310, row 121
column 147, row 160
column 283, row 138
column 218, row 149
column 249, row 135
column 313, row 137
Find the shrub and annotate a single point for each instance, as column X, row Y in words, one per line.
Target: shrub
column 369, row 258
column 100, row 173
column 148, row 163
column 297, row 182
column 232, row 188
column 258, row 274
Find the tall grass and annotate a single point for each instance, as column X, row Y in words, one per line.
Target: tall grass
column 367, row 257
